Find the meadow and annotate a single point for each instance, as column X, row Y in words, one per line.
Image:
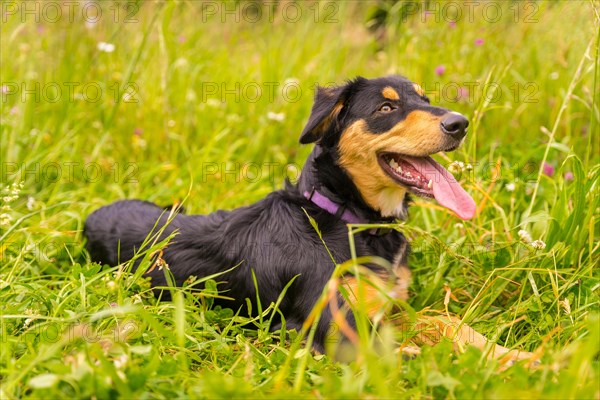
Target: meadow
column 203, row 102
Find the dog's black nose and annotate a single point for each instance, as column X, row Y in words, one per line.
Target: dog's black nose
column 455, row 125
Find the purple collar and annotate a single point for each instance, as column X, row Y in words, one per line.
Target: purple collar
column 341, row 212
column 333, row 208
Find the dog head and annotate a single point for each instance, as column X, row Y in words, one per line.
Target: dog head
column 381, row 133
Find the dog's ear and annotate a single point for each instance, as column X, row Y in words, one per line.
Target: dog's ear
column 328, row 104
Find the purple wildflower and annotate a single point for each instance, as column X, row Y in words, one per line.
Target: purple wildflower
column 548, row 169
column 440, row 69
column 478, row 42
column 463, row 93
column 569, row 176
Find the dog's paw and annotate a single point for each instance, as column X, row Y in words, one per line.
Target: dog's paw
column 531, row 360
column 409, row 352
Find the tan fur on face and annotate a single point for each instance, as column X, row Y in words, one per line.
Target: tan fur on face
column 418, row 135
column 419, row 90
column 390, row 93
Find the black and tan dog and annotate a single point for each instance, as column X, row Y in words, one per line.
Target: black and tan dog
column 373, row 141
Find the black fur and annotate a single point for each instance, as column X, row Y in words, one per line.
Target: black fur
column 273, row 237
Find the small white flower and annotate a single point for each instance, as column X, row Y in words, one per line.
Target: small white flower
column 524, row 236
column 538, row 244
column 120, row 361
column 456, row 166
column 213, row 103
column 16, row 187
column 30, row 203
column 275, row 116
column 233, row 118
column 191, row 96
column 510, row 187
column 106, row 47
column 5, row 219
column 29, row 311
column 554, row 75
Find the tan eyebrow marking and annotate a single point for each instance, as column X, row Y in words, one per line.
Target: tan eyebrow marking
column 389, row 93
column 419, row 89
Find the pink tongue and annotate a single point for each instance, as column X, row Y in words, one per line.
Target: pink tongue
column 446, row 190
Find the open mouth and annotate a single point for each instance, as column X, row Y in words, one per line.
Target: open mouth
column 404, row 173
column 425, row 177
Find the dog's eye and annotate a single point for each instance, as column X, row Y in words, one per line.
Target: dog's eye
column 386, row 108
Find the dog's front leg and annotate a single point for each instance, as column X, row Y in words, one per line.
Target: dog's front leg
column 431, row 330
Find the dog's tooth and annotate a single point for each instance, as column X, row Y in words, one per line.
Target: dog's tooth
column 399, row 169
column 393, row 163
column 408, row 174
column 430, row 184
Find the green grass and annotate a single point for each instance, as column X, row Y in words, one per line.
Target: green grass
column 70, row 328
